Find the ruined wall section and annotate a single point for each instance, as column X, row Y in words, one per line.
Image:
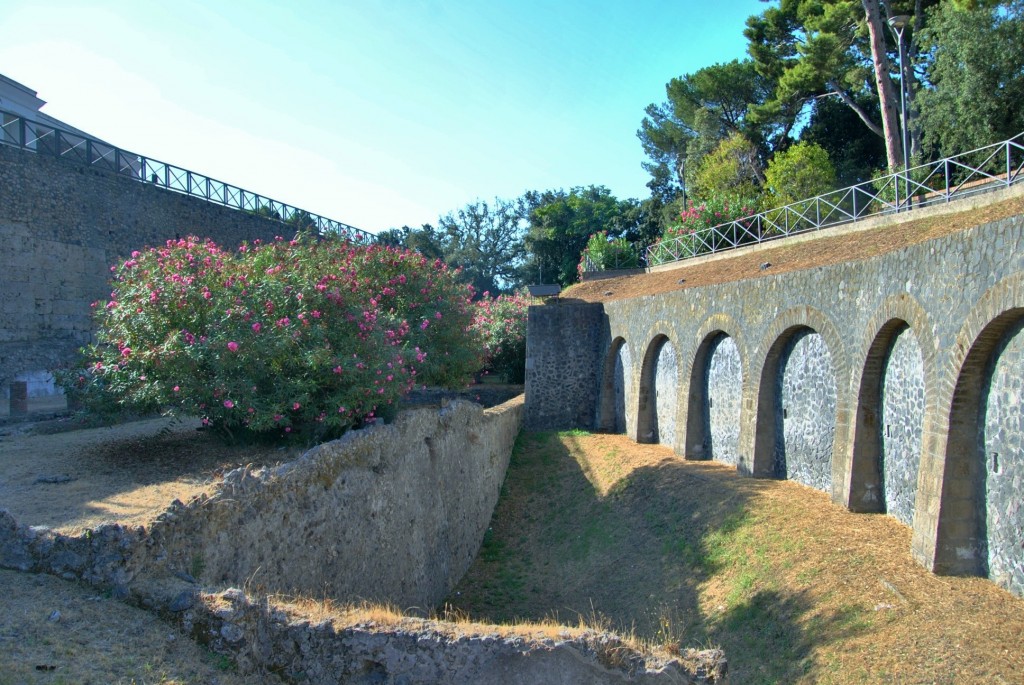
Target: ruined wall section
column 393, row 513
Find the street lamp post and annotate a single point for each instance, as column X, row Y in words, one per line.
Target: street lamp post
column 898, row 24
column 682, row 176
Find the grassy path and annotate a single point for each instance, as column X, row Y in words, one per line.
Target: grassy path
column 794, row 588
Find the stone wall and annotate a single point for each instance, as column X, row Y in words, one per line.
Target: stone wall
column 61, row 227
column 563, row 339
column 886, row 382
column 393, row 513
column 412, row 651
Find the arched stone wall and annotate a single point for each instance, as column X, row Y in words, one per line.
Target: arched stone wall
column 716, row 398
column 981, row 518
column 656, row 414
column 707, row 387
column 617, row 379
column 803, row 357
column 805, row 411
column 925, row 362
column 899, row 318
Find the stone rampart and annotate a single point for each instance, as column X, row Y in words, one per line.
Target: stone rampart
column 885, row 382
column 61, row 227
column 392, row 513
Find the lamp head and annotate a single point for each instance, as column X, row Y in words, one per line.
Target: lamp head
column 899, row 22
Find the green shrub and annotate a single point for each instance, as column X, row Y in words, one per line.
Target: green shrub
column 298, row 337
column 801, row 172
column 604, row 253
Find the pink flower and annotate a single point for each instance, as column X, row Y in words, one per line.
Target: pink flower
column 177, row 388
column 296, row 406
column 423, row 326
column 229, row 404
column 256, row 327
column 126, row 351
column 233, row 346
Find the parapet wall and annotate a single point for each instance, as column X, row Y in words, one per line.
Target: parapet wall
column 393, row 513
column 61, row 227
column 886, row 382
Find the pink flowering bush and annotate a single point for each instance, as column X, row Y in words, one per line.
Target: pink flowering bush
column 691, row 232
column 298, row 337
column 501, row 322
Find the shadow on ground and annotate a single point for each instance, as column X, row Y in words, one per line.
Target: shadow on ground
column 642, row 543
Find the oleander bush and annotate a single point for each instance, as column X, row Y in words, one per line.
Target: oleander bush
column 298, row 337
column 501, row 323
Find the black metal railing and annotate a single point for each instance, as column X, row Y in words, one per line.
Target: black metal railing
column 994, row 166
column 41, row 138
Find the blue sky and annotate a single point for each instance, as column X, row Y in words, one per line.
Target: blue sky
column 373, row 113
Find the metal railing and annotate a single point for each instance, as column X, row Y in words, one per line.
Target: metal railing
column 969, row 173
column 41, row 138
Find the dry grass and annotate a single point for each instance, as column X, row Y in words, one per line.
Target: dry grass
column 792, row 587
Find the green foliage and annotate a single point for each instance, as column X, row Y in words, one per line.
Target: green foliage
column 561, row 224
column 501, row 324
column 803, row 171
column 606, row 253
column 976, row 76
column 702, row 109
column 485, row 242
column 855, row 151
column 732, row 169
column 296, row 337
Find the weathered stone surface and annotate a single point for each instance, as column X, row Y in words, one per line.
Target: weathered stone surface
column 261, row 637
column 724, row 396
column 807, row 412
column 949, row 297
column 61, row 227
column 901, row 425
column 1003, row 471
column 562, row 346
column 393, row 513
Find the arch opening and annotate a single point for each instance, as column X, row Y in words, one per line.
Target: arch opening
column 981, row 516
column 616, row 380
column 716, row 394
column 797, row 410
column 658, row 393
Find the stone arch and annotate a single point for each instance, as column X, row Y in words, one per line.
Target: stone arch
column 616, row 380
column 799, row 326
column 901, row 327
column 716, row 342
column 983, row 458
column 658, row 392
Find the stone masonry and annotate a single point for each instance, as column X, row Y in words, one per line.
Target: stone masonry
column 893, row 383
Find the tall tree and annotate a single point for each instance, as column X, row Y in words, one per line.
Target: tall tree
column 840, row 49
column 561, row 225
column 975, row 78
column 703, row 109
column 486, row 242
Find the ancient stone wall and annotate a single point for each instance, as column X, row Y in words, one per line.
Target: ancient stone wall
column 61, row 227
column 886, row 382
column 393, row 513
column 562, row 343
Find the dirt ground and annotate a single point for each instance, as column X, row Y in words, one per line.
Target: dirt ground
column 73, row 480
